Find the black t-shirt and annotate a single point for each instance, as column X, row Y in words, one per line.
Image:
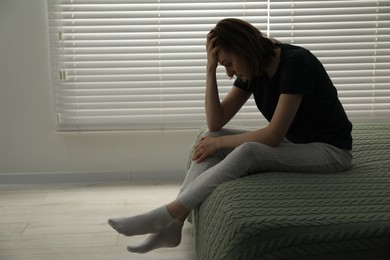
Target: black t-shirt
column 320, row 117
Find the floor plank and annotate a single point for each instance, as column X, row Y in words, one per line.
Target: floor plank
column 69, row 221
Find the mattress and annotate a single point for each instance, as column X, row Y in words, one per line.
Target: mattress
column 282, row 215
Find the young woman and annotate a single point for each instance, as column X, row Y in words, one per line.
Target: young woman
column 308, row 129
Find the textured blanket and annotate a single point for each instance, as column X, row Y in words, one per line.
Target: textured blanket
column 304, row 216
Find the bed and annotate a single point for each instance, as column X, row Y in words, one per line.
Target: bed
column 290, row 216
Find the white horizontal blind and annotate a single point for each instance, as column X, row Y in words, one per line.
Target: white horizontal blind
column 126, row 64
column 352, row 39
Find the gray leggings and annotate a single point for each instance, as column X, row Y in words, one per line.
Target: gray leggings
column 250, row 158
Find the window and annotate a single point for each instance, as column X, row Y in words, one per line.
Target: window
column 135, row 65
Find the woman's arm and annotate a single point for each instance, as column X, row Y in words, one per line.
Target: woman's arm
column 219, row 113
column 271, row 135
column 276, row 130
column 213, row 107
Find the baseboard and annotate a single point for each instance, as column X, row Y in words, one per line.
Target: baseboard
column 73, row 177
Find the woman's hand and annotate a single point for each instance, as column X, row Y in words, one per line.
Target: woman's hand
column 206, row 147
column 212, row 51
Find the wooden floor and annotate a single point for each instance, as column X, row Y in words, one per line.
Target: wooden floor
column 69, row 221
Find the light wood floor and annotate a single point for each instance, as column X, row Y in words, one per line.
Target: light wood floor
column 69, row 221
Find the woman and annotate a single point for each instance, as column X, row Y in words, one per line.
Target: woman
column 308, row 129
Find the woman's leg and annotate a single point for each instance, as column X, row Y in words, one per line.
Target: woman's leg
column 168, row 226
column 157, row 219
column 254, row 157
column 198, row 168
column 246, row 159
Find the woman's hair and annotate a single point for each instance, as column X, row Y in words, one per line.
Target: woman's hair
column 245, row 40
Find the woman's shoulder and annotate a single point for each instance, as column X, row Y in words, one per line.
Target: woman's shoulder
column 294, row 51
column 296, row 56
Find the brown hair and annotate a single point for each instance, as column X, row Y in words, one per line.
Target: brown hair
column 245, row 40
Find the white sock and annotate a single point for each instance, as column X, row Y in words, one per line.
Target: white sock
column 170, row 236
column 150, row 222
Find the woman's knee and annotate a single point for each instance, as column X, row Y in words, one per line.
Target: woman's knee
column 249, row 157
column 251, row 149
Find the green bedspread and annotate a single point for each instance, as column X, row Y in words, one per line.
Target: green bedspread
column 304, row 216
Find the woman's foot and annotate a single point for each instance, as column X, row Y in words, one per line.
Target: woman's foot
column 170, row 236
column 150, row 222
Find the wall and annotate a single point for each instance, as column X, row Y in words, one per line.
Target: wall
column 28, row 141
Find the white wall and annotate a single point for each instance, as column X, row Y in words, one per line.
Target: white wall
column 28, row 141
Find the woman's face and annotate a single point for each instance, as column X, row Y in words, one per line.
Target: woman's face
column 234, row 65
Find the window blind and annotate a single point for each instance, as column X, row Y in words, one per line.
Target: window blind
column 138, row 65
column 352, row 39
